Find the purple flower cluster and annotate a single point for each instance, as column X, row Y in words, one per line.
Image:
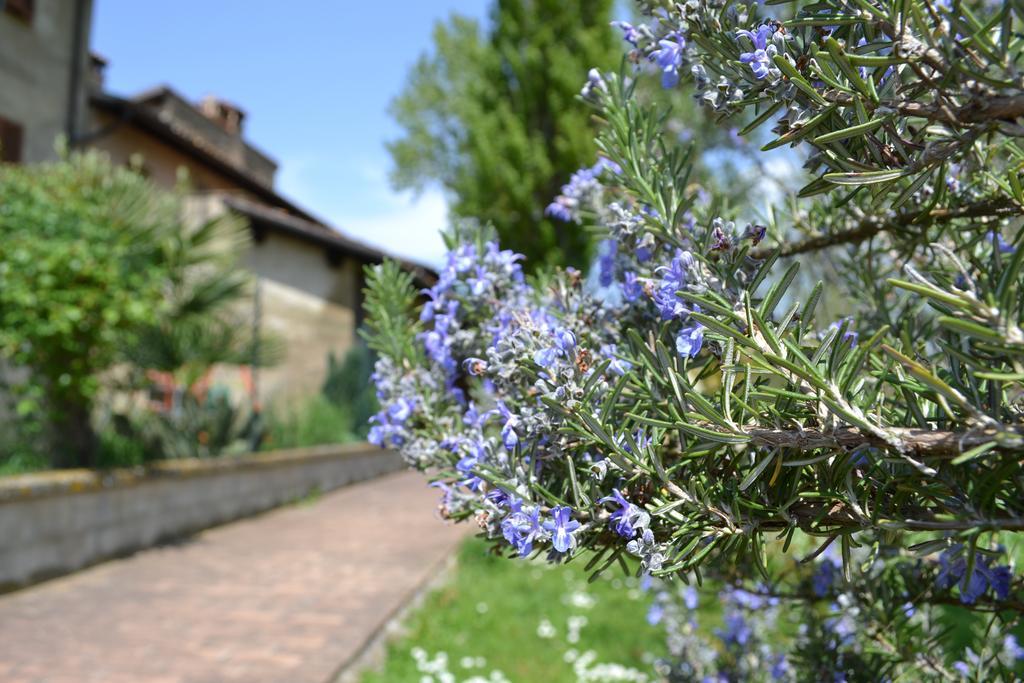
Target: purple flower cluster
column 583, row 189
column 389, row 424
column 628, row 519
column 985, row 577
column 760, row 59
column 669, row 58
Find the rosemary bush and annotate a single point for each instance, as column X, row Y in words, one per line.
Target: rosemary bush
column 686, row 414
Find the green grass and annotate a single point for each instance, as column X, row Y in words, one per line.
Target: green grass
column 22, row 463
column 494, row 607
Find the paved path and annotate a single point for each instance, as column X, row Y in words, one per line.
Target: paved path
column 286, row 597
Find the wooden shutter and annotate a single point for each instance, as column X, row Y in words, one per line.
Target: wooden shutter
column 11, row 136
column 21, row 9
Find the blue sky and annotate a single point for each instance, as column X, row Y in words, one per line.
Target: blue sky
column 315, row 78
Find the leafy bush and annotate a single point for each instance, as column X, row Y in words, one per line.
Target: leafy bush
column 349, row 387
column 694, row 416
column 315, row 422
column 81, row 271
column 97, row 270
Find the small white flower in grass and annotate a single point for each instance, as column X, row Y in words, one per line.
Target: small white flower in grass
column 467, row 663
column 545, row 629
column 570, row 655
column 574, row 625
column 588, row 672
column 581, row 600
column 482, row 607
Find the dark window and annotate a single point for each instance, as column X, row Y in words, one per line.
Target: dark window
column 20, row 9
column 11, row 135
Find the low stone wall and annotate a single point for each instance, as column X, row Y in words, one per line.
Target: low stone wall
column 52, row 523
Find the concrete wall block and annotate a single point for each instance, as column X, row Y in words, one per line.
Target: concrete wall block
column 52, row 533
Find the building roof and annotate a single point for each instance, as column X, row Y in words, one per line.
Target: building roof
column 271, row 211
column 136, row 112
column 263, row 216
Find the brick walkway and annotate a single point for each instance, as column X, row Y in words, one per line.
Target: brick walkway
column 286, row 597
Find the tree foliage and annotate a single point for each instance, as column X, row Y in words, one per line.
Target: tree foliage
column 696, row 416
column 491, row 115
column 99, row 268
column 81, row 272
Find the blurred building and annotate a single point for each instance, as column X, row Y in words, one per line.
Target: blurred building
column 44, row 52
column 308, row 275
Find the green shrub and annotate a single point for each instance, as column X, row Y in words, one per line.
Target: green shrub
column 81, row 271
column 316, row 421
column 348, row 386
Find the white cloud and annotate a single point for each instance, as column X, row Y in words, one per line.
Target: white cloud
column 409, row 227
column 367, row 208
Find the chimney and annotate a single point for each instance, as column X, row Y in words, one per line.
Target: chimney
column 223, row 113
column 97, row 72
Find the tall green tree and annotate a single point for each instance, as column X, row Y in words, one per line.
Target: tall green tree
column 493, row 118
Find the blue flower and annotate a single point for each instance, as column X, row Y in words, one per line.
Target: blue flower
column 824, row 577
column 474, row 418
column 400, row 410
column 999, row 243
column 617, row 365
column 669, row 58
column 475, row 366
column 646, row 548
column 561, row 209
column 477, row 454
column 565, row 340
column 509, row 437
column 953, row 570
column 690, row 598
column 655, row 613
column 629, row 32
column 756, row 233
column 608, row 251
column 760, row 60
column 546, row 357
column 1012, row 649
column 595, row 84
column 605, row 164
column 849, row 335
column 522, row 526
column 629, row 518
column 580, row 189
column 722, row 242
column 631, row 286
column 689, row 340
column 736, row 632
column 562, row 527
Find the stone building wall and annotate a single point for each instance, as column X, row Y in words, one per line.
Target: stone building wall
column 35, row 81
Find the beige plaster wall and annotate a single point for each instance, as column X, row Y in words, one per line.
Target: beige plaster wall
column 308, row 303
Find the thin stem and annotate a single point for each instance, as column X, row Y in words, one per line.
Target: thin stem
column 870, row 226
